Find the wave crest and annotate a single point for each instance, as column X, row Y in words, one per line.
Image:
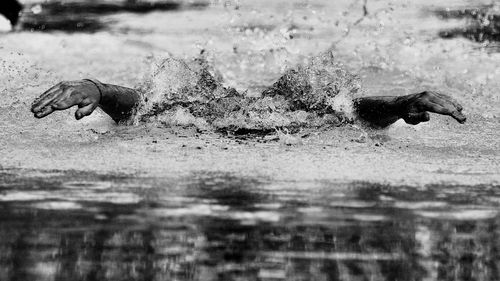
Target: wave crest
column 180, row 92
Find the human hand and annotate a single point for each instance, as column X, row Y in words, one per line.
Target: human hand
column 415, row 108
column 66, row 94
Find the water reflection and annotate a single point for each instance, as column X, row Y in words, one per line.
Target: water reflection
column 218, row 227
column 483, row 23
column 89, row 16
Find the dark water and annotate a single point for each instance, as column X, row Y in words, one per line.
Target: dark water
column 216, row 227
column 483, row 24
column 90, row 16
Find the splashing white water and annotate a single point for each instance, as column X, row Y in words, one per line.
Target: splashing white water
column 179, row 92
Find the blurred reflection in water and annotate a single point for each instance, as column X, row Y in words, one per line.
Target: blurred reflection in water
column 217, row 227
column 88, row 16
column 483, row 24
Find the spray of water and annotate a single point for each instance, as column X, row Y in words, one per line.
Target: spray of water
column 178, row 92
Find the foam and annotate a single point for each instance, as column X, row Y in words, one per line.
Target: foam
column 192, row 93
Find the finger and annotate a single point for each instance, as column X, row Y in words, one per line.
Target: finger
column 64, row 100
column 46, row 94
column 442, row 98
column 84, row 110
column 455, row 113
column 415, row 118
column 421, row 116
column 438, row 108
column 45, row 99
column 53, row 88
column 455, row 104
column 459, row 116
column 44, row 112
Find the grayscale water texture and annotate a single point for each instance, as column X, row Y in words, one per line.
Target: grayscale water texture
column 78, row 226
column 281, row 198
column 374, row 48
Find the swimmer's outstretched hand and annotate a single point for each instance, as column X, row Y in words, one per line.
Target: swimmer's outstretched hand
column 414, row 108
column 117, row 101
column 64, row 95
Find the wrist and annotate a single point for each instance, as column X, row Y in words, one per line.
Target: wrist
column 400, row 105
column 99, row 87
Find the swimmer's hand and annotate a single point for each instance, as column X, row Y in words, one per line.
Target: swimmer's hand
column 117, row 101
column 64, row 95
column 414, row 108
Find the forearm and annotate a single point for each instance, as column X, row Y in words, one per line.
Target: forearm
column 378, row 111
column 117, row 101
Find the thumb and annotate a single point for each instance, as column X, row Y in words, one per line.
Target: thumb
column 84, row 110
column 458, row 116
column 415, row 118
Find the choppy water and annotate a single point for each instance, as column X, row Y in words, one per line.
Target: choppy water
column 66, row 225
column 77, row 226
column 483, row 24
column 177, row 92
column 394, row 49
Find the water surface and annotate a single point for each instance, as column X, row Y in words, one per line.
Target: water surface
column 80, row 226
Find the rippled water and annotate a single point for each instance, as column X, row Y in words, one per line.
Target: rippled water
column 394, row 49
column 483, row 24
column 234, row 223
column 77, row 226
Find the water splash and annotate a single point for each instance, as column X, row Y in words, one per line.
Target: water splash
column 192, row 93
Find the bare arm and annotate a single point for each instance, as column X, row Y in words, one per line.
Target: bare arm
column 382, row 111
column 117, row 101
